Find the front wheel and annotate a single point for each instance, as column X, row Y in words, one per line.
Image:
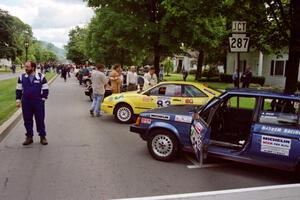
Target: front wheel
column 124, row 113
column 297, row 172
column 163, row 145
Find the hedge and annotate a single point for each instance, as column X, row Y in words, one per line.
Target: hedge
column 227, row 78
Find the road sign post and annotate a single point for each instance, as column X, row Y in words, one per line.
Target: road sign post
column 239, row 42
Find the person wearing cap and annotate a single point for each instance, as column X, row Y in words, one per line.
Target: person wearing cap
column 31, row 93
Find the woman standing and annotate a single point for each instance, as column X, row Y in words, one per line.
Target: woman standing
column 115, row 79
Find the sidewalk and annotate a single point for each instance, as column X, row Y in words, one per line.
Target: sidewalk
column 4, row 76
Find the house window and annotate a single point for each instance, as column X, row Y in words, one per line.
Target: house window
column 277, row 68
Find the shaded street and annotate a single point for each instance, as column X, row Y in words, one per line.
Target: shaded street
column 97, row 158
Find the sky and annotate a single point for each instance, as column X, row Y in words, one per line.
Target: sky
column 51, row 20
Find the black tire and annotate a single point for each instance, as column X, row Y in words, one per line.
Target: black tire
column 168, row 148
column 124, row 113
column 297, row 172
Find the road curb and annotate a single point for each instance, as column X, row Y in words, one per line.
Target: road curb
column 9, row 124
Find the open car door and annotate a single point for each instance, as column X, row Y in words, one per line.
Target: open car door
column 200, row 138
column 200, row 128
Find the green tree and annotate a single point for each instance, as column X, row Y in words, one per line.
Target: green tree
column 12, row 32
column 76, row 49
column 202, row 28
column 105, row 41
column 168, row 65
column 272, row 25
column 147, row 26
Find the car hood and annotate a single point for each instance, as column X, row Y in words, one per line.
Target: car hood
column 175, row 110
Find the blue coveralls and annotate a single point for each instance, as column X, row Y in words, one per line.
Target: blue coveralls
column 33, row 94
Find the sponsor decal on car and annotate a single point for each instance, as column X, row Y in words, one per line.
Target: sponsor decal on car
column 197, row 139
column 183, row 118
column 272, row 129
column 163, row 101
column 188, row 101
column 119, row 98
column 275, row 145
column 147, row 99
column 159, row 116
column 146, row 121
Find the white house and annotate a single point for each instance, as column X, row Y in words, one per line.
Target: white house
column 5, row 62
column 271, row 66
column 188, row 61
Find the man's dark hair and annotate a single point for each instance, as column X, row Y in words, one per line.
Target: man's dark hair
column 32, row 64
column 152, row 68
column 100, row 66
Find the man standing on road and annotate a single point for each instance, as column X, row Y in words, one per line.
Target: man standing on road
column 98, row 83
column 31, row 92
column 131, row 79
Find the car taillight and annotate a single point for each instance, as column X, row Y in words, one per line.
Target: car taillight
column 138, row 121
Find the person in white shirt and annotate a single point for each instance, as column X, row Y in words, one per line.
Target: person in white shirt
column 150, row 78
column 131, row 79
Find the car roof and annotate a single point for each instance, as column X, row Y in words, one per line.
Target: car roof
column 263, row 93
column 181, row 83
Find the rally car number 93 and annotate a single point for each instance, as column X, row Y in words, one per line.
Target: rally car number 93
column 125, row 106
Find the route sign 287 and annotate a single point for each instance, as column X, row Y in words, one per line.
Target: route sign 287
column 239, row 43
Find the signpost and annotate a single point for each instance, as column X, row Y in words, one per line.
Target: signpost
column 239, row 42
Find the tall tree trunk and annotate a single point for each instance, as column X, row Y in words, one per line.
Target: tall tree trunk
column 292, row 68
column 199, row 65
column 156, row 58
column 225, row 64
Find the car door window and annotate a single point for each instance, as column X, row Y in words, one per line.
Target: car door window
column 167, row 90
column 192, row 91
column 242, row 102
column 279, row 111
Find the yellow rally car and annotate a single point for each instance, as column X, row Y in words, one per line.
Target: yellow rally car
column 125, row 106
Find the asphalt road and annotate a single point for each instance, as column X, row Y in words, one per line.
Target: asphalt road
column 4, row 76
column 97, row 158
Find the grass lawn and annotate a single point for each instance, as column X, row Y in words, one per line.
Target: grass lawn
column 213, row 85
column 8, row 97
column 8, row 70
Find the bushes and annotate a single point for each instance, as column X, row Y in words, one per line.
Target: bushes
column 227, row 78
column 208, row 73
column 212, row 79
column 258, row 80
column 192, row 71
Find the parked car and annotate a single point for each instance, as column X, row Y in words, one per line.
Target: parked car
column 249, row 126
column 125, row 106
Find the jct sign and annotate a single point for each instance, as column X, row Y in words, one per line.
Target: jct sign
column 238, row 27
column 239, row 42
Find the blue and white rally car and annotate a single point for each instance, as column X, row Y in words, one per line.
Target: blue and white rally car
column 249, row 126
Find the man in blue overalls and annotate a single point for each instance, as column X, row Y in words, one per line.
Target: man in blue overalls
column 31, row 93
